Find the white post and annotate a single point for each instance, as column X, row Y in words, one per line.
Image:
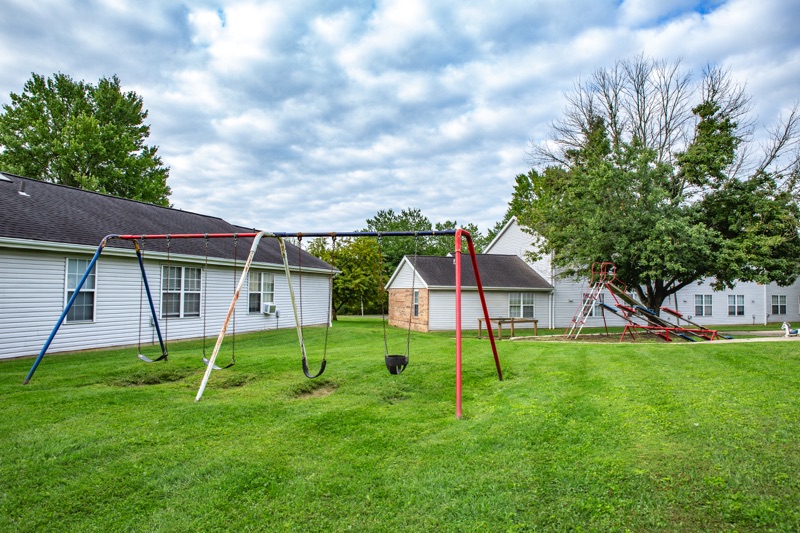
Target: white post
column 210, row 365
column 297, row 323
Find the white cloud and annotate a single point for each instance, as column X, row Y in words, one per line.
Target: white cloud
column 207, row 26
column 315, row 115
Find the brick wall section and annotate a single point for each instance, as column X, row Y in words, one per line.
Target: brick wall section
column 400, row 302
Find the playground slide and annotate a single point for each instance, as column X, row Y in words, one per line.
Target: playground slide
column 617, row 312
column 652, row 318
column 677, row 314
column 681, row 316
column 640, row 309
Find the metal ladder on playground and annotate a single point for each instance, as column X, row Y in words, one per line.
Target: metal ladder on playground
column 599, row 279
column 579, row 320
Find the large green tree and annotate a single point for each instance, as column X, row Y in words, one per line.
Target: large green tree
column 366, row 263
column 412, row 219
column 82, row 135
column 394, row 248
column 358, row 287
column 654, row 172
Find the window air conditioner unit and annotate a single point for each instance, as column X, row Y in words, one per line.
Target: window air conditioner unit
column 269, row 308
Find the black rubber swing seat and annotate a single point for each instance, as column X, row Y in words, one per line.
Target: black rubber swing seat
column 308, row 373
column 396, row 363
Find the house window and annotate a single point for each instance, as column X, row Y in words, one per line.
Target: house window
column 82, row 309
column 703, row 304
column 520, row 305
column 180, row 291
column 416, row 302
column 261, row 289
column 735, row 305
column 596, row 309
column 778, row 304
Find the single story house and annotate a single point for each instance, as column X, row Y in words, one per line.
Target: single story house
column 49, row 233
column 422, row 290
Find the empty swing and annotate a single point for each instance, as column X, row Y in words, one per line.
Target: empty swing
column 396, row 363
column 298, row 317
column 144, row 286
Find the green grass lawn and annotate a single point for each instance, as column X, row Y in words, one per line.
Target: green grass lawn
column 578, row 437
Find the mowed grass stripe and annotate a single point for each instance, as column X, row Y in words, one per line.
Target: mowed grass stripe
column 606, row 437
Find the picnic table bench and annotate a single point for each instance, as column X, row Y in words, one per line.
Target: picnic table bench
column 507, row 320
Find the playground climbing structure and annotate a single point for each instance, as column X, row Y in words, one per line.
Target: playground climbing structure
column 636, row 316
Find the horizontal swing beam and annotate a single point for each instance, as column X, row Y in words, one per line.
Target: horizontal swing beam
column 426, row 233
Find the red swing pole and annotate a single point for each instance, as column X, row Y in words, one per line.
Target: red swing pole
column 473, row 257
column 187, row 236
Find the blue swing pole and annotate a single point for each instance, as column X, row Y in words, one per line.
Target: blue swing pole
column 150, row 301
column 69, row 305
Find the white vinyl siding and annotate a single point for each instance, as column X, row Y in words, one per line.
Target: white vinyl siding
column 405, row 279
column 29, row 311
column 82, row 309
column 516, row 241
column 315, row 298
column 441, row 307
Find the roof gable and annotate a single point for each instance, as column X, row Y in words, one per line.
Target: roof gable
column 512, row 221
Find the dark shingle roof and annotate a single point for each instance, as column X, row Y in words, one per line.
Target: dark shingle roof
column 55, row 213
column 497, row 272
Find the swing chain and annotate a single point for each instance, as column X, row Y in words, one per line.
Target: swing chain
column 169, row 274
column 330, row 288
column 298, row 318
column 300, row 275
column 413, row 283
column 235, row 265
column 382, row 294
column 205, row 295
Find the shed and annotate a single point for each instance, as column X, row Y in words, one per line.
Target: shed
column 422, row 290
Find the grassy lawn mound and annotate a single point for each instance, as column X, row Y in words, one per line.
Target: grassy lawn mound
column 578, row 437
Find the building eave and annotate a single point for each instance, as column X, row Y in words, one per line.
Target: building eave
column 61, row 247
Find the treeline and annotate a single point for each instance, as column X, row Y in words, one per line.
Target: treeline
column 367, row 263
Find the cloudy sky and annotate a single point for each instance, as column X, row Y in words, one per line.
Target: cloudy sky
column 308, row 115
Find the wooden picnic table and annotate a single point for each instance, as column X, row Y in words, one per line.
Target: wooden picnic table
column 507, row 320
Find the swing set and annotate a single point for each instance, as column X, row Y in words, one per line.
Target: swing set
column 396, row 364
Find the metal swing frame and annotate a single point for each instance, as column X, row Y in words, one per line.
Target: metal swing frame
column 459, row 235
